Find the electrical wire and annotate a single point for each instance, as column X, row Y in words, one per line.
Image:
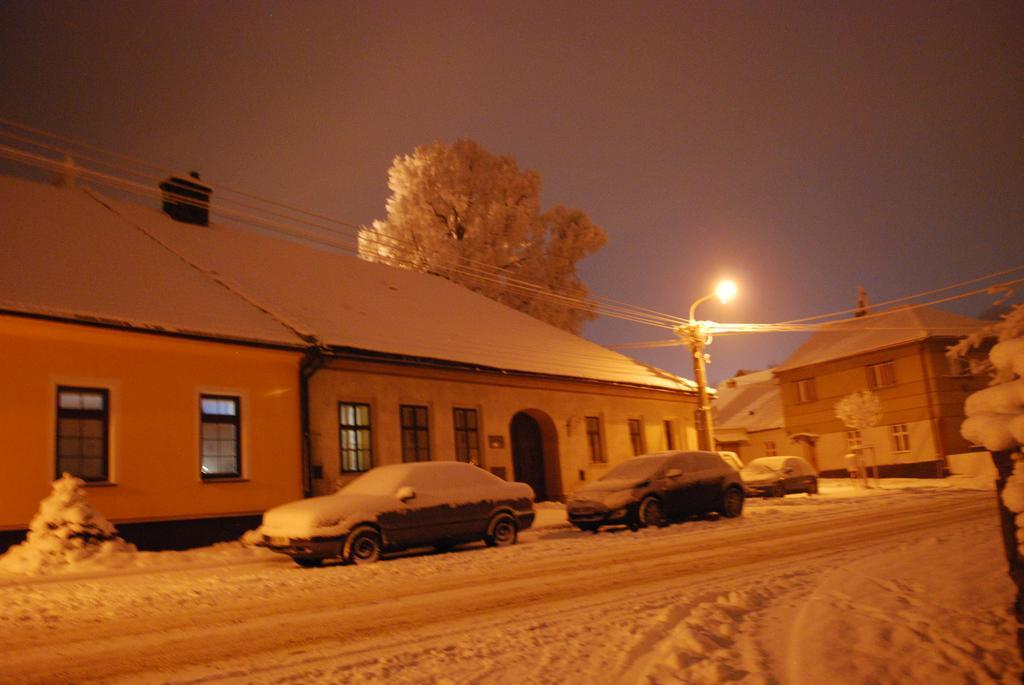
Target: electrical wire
column 465, row 267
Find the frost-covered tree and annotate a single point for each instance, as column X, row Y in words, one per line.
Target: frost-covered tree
column 460, row 212
column 995, row 419
column 857, row 411
column 66, row 532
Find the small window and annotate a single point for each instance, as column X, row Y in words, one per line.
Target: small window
column 594, row 440
column 670, row 434
column 355, row 437
column 805, row 390
column 769, row 448
column 854, row 441
column 83, row 422
column 415, row 433
column 220, row 440
column 900, row 437
column 467, row 435
column 881, row 375
column 636, row 436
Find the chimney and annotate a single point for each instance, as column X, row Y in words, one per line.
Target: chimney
column 862, row 303
column 187, row 200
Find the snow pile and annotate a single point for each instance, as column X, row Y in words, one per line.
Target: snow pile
column 65, row 533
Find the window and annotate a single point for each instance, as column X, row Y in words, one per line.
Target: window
column 220, row 441
column 769, row 448
column 354, row 437
column 670, row 440
column 467, row 436
column 594, row 439
column 805, row 391
column 636, row 437
column 900, row 437
column 881, row 375
column 415, row 433
column 854, row 441
column 83, row 422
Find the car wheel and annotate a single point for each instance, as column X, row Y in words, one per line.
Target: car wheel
column 502, row 531
column 812, row 489
column 732, row 503
column 650, row 513
column 778, row 490
column 308, row 562
column 362, row 546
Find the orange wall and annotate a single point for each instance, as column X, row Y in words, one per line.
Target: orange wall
column 154, row 383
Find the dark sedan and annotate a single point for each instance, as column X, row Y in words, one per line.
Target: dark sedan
column 778, row 476
column 401, row 506
column 655, row 488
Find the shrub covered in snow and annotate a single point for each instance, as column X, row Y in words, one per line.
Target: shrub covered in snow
column 66, row 533
column 995, row 415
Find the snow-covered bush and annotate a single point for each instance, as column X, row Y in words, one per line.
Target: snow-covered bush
column 995, row 415
column 66, row 533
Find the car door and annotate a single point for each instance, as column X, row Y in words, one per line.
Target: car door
column 417, row 521
column 681, row 485
column 793, row 477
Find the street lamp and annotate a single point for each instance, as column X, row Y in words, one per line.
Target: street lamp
column 695, row 334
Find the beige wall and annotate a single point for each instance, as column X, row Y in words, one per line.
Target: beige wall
column 154, row 383
column 926, row 397
column 497, row 397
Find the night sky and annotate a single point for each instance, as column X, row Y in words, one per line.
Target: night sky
column 802, row 148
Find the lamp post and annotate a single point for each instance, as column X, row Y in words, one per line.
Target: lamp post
column 696, row 335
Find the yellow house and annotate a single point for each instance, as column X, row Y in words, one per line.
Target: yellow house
column 195, row 375
column 173, row 398
column 898, row 354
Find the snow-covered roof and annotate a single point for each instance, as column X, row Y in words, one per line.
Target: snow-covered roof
column 74, row 253
column 750, row 402
column 855, row 336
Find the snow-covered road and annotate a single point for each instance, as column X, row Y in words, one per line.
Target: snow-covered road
column 903, row 586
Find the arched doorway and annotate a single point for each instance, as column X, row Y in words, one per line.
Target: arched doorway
column 534, row 453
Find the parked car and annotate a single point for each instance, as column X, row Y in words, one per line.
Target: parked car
column 401, row 506
column 777, row 476
column 732, row 459
column 653, row 489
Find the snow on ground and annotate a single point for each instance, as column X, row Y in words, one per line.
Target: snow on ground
column 897, row 584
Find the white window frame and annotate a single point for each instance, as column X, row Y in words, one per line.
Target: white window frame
column 881, row 375
column 806, row 392
column 900, row 435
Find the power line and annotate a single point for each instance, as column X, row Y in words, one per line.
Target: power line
column 466, row 267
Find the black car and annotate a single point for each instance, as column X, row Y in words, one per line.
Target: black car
column 400, row 506
column 653, row 489
column 778, row 476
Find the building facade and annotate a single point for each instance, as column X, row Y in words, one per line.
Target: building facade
column 195, row 375
column 901, row 357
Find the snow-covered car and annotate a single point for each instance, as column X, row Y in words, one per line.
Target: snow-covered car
column 653, row 489
column 396, row 507
column 778, row 476
column 732, row 459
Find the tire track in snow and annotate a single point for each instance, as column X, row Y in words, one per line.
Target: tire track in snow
column 338, row 627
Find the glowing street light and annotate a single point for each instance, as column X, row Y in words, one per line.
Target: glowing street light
column 695, row 334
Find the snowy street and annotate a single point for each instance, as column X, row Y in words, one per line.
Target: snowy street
column 904, row 584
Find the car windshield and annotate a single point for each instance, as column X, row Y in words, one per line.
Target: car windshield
column 383, row 480
column 755, row 467
column 634, row 469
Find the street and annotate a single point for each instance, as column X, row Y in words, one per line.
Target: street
column 702, row 601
